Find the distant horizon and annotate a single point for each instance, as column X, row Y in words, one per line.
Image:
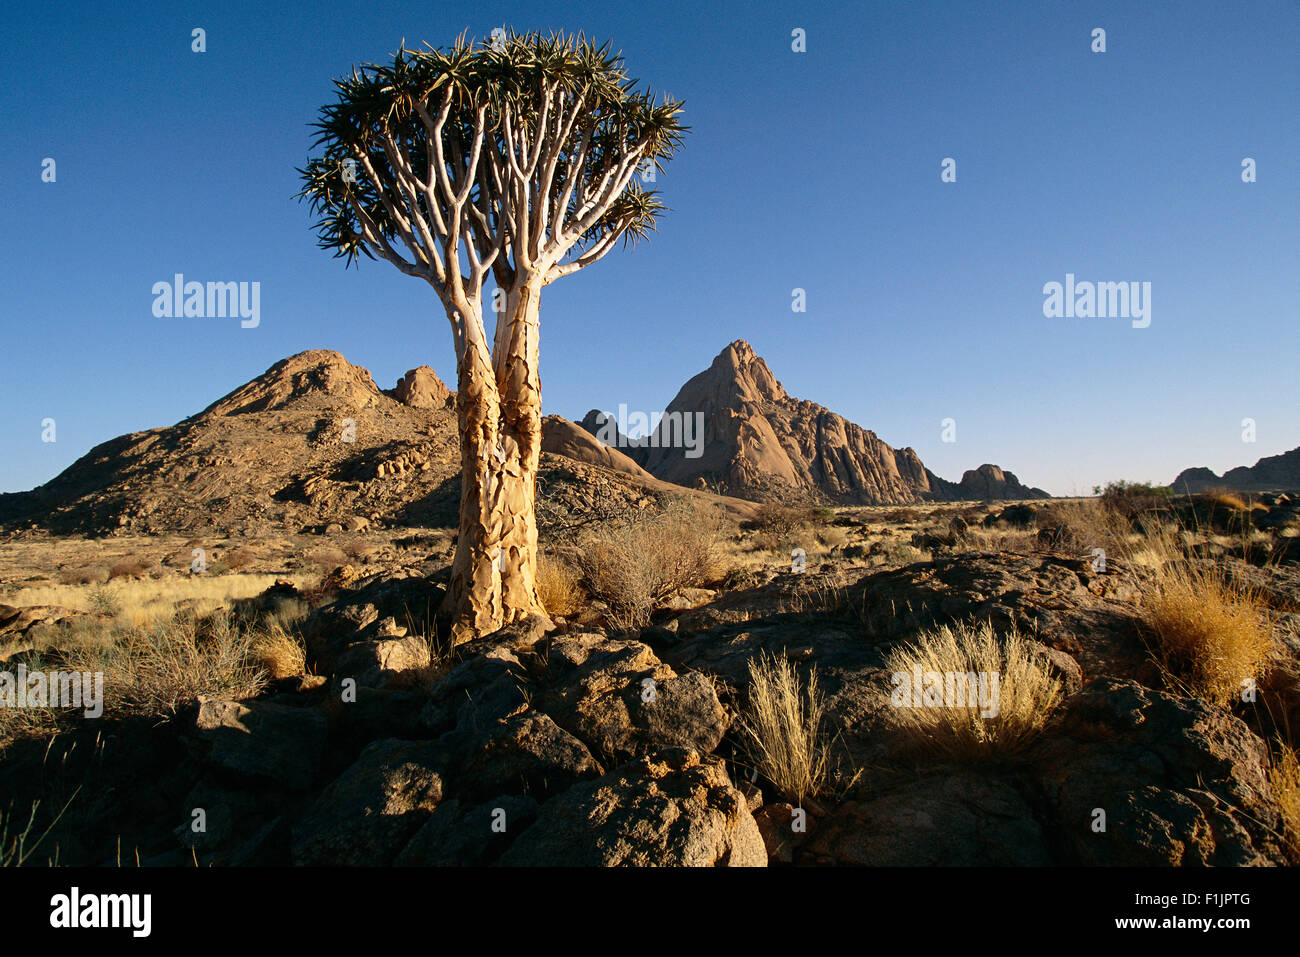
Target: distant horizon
column 1084, row 259
column 450, row 382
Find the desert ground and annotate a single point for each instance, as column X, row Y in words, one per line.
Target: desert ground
column 717, row 685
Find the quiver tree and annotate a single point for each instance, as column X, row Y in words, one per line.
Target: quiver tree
column 523, row 159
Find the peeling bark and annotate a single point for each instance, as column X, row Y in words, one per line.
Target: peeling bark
column 499, row 412
column 519, row 384
column 473, row 600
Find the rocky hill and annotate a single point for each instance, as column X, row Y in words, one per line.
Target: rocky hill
column 311, row 441
column 1274, row 473
column 759, row 442
column 310, row 444
column 314, row 442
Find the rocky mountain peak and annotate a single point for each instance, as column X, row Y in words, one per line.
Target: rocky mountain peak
column 740, row 372
column 316, row 372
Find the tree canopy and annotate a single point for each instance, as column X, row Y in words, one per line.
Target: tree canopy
column 517, row 154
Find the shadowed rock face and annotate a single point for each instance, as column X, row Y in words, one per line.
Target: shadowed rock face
column 767, row 445
column 565, row 438
column 986, row 483
column 1274, row 473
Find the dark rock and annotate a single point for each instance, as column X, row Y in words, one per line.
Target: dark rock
column 1178, row 780
column 457, row 835
column 673, row 812
column 623, row 701
column 369, row 813
column 957, row 819
column 263, row 739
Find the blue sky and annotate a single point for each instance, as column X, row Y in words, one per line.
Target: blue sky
column 817, row 170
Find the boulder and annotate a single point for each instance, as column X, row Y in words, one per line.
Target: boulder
column 957, row 819
column 374, row 631
column 623, row 701
column 673, row 811
column 369, row 813
column 263, row 739
column 528, row 753
column 460, row 835
column 1139, row 778
column 421, row 388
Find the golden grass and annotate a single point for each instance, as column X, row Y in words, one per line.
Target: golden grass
column 279, row 652
column 1021, row 540
column 1209, row 635
column 359, row 550
column 85, row 575
column 1284, row 778
column 241, row 557
column 327, row 557
column 1024, row 696
column 154, row 669
column 832, row 536
column 157, row 668
column 1087, row 523
column 1230, row 500
column 559, row 586
column 139, row 602
column 129, row 569
column 780, row 728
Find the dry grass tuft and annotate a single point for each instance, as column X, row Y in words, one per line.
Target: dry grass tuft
column 1022, row 699
column 129, row 569
column 327, row 557
column 157, row 668
column 88, row 575
column 559, row 586
column 240, row 558
column 1230, row 500
column 1209, row 633
column 139, row 602
column 634, row 567
column 832, row 536
column 359, row 550
column 781, row 728
column 279, row 652
column 1085, row 524
column 779, row 520
column 1284, row 777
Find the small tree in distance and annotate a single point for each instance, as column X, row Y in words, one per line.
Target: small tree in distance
column 516, row 158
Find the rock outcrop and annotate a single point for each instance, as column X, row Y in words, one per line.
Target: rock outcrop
column 422, row 389
column 314, row 372
column 1273, row 473
column 987, row 483
column 563, row 437
column 734, row 426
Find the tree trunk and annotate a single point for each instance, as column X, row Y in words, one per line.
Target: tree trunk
column 473, row 600
column 519, row 385
column 499, row 412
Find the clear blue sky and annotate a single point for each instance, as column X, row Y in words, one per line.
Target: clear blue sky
column 818, row 170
